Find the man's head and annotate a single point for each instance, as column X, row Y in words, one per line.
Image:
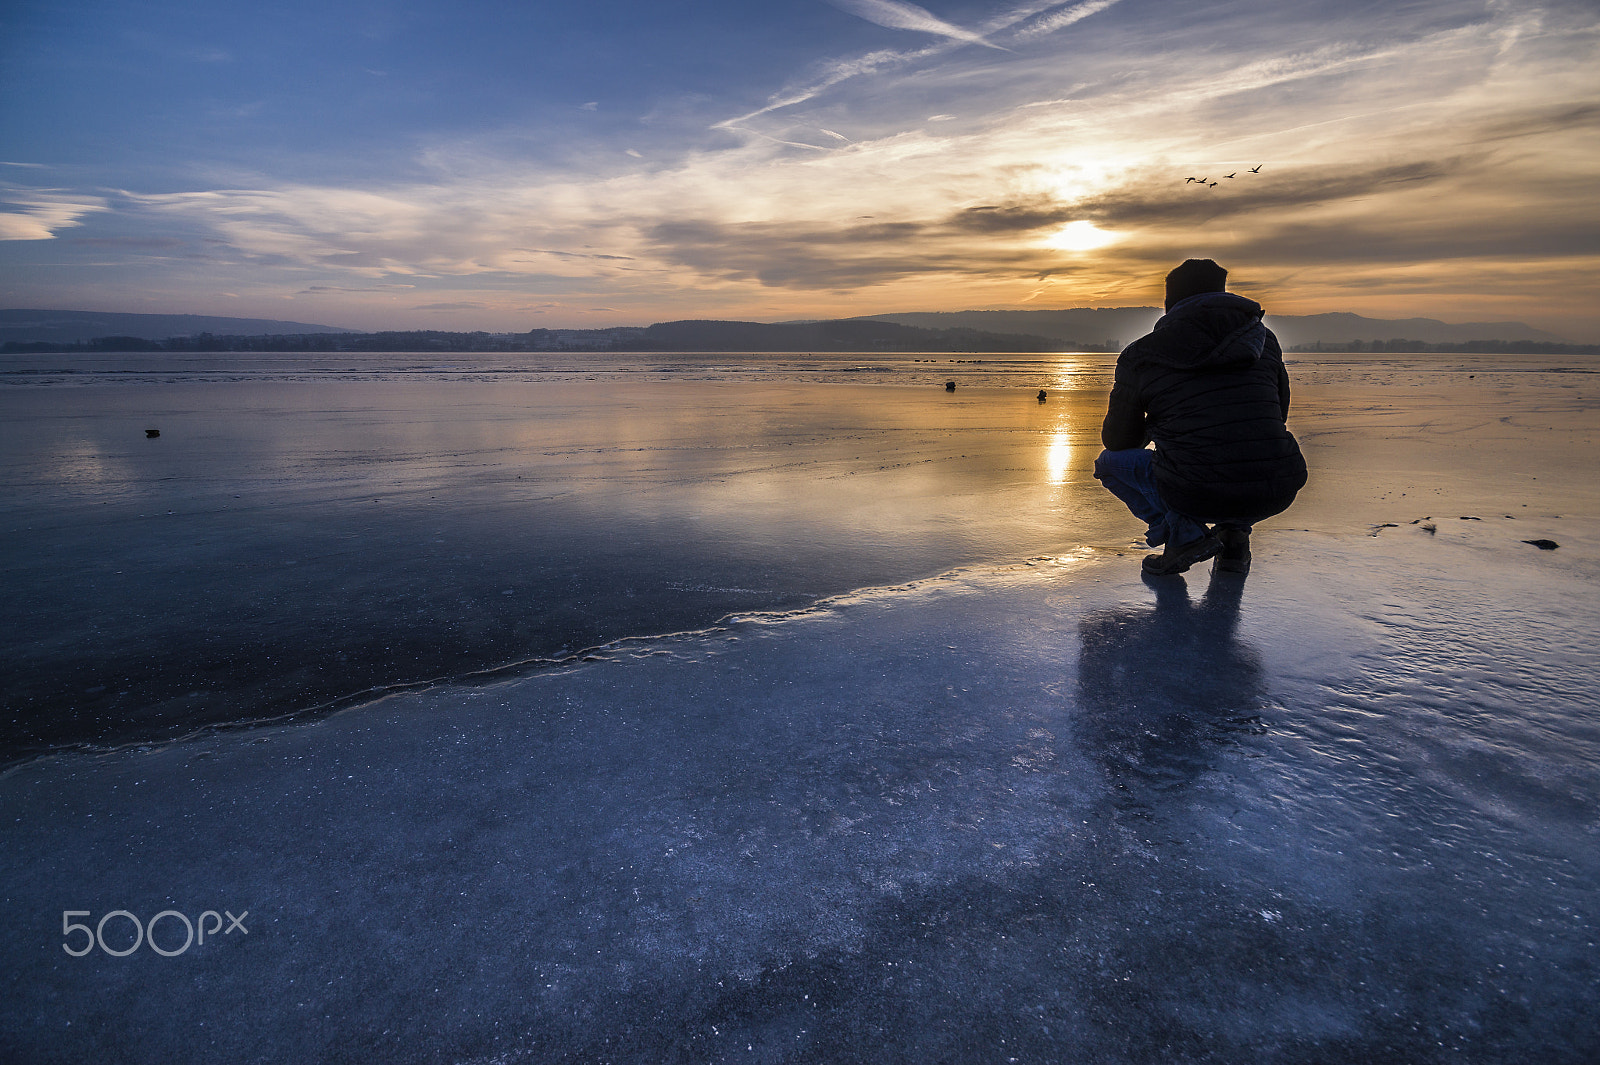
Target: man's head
column 1194, row 277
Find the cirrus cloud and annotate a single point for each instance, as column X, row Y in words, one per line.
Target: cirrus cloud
column 39, row 213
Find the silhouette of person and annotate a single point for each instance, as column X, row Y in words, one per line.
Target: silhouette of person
column 1209, row 388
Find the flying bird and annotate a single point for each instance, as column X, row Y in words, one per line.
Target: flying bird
column 1187, row 180
column 1212, row 185
column 1256, row 169
column 1230, row 175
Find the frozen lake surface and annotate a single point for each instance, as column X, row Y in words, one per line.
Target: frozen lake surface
column 878, row 747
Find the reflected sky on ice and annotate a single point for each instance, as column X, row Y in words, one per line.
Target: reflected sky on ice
column 311, row 527
column 298, row 534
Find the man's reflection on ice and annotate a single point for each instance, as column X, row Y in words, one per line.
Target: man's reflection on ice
column 1161, row 689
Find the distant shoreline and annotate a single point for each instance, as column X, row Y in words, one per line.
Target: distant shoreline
column 422, row 343
column 1084, row 329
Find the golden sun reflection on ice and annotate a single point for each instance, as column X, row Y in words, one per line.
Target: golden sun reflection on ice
column 1058, row 456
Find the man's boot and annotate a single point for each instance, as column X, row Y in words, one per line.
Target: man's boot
column 1178, row 558
column 1235, row 554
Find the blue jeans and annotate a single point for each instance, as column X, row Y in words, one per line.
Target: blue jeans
column 1130, row 476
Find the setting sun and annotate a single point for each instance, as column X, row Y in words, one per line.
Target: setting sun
column 1080, row 236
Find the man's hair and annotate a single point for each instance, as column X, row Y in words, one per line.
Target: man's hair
column 1194, row 277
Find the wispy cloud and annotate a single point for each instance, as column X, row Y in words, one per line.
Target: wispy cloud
column 831, row 73
column 574, row 254
column 38, row 214
column 314, row 289
column 1437, row 143
column 898, row 15
column 1061, row 19
column 1003, row 240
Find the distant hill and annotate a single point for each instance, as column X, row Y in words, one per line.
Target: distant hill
column 1072, row 329
column 849, row 336
column 1094, row 328
column 28, row 326
column 1115, row 327
column 842, row 334
column 1340, row 326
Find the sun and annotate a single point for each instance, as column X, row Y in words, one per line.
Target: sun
column 1081, row 235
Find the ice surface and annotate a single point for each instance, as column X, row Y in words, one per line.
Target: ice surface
column 307, row 530
column 1342, row 811
column 287, row 542
column 1029, row 807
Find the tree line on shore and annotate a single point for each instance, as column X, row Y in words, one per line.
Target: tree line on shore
column 840, row 335
column 835, row 335
column 1470, row 347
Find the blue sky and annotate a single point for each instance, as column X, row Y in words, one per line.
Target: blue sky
column 510, row 165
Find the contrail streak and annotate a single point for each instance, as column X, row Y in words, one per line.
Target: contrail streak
column 899, row 15
column 912, row 17
column 1061, row 19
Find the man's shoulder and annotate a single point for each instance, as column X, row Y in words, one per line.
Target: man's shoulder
column 1205, row 333
column 1170, row 335
column 1128, row 362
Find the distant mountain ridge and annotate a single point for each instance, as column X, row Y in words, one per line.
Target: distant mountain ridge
column 837, row 334
column 1116, row 327
column 29, row 326
column 1077, row 328
column 1336, row 327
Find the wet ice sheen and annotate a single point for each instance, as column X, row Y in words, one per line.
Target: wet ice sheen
column 310, row 528
column 1041, row 806
column 291, row 540
column 1344, row 810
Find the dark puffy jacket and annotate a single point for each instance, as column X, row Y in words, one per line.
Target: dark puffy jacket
column 1209, row 387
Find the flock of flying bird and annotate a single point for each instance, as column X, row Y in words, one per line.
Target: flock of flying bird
column 1208, row 183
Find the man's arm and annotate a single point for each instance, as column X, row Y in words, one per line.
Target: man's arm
column 1124, row 424
column 1283, row 377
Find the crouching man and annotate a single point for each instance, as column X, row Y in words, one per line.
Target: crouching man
column 1208, row 386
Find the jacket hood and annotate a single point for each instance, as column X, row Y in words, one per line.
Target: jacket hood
column 1211, row 331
